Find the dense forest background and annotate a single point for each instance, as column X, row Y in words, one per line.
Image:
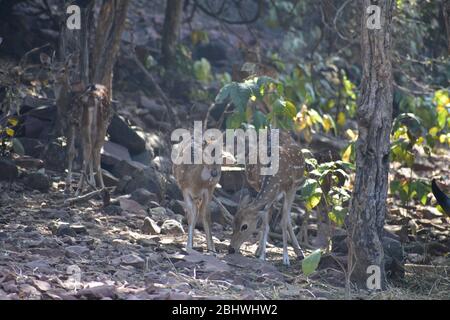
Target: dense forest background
column 168, row 63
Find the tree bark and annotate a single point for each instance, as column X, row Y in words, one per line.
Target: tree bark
column 171, row 32
column 111, row 23
column 368, row 204
column 446, row 15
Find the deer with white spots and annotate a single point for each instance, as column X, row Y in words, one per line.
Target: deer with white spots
column 252, row 218
column 83, row 111
column 197, row 183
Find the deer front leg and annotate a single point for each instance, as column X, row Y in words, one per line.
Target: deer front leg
column 87, row 152
column 98, row 168
column 206, row 219
column 191, row 212
column 290, row 197
column 261, row 250
column 70, row 157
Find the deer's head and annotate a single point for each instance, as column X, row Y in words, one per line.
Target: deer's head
column 247, row 224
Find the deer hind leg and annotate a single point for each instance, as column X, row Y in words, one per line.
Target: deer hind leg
column 284, row 228
column 290, row 197
column 206, row 219
column 87, row 151
column 70, row 157
column 191, row 211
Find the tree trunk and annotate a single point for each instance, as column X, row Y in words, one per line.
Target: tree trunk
column 171, row 32
column 368, row 204
column 111, row 22
column 446, row 14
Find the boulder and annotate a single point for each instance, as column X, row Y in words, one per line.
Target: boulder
column 150, row 227
column 172, row 227
column 143, row 196
column 148, row 179
column 8, row 170
column 120, row 132
column 154, row 107
column 37, row 181
column 112, row 153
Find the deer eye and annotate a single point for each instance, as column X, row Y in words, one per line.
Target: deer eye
column 244, row 227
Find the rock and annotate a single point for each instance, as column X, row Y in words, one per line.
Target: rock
column 150, row 227
column 177, row 206
column 32, row 147
column 149, row 179
column 173, row 191
column 79, row 229
column 109, row 179
column 38, row 181
column 399, row 233
column 131, row 205
column 143, row 196
column 55, row 157
column 155, row 108
column 172, row 227
column 63, row 229
column 29, row 163
column 394, row 257
column 121, row 133
column 214, row 51
column 8, row 170
column 130, row 260
column 128, row 168
column 158, row 213
column 98, row 292
column 216, row 214
column 76, row 251
column 163, row 164
column 112, row 153
column 145, row 157
column 113, row 210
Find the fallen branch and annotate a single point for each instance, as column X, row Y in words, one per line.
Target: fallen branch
column 87, row 197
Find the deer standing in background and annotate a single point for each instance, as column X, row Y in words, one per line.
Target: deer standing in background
column 253, row 217
column 83, row 111
column 197, row 183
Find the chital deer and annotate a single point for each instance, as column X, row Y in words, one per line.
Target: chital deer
column 81, row 109
column 253, row 217
column 197, row 183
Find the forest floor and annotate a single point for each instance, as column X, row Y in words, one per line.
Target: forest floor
column 49, row 250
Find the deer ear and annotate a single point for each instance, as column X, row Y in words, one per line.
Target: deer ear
column 45, row 59
column 245, row 201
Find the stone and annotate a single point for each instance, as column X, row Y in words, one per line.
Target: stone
column 32, row 147
column 75, row 251
column 112, row 153
column 144, row 157
column 394, row 258
column 149, row 179
column 173, row 191
column 177, row 206
column 37, row 181
column 155, row 108
column 113, row 210
column 150, row 227
column 8, row 170
column 143, row 196
column 172, row 227
column 127, row 168
column 120, row 132
column 163, row 164
column 109, row 179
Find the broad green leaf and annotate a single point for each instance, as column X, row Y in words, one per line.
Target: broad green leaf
column 311, row 262
column 18, row 147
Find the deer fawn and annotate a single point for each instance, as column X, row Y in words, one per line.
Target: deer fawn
column 197, row 183
column 83, row 109
column 253, row 217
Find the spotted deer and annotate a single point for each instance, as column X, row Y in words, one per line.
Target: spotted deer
column 197, row 183
column 253, row 216
column 83, row 111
